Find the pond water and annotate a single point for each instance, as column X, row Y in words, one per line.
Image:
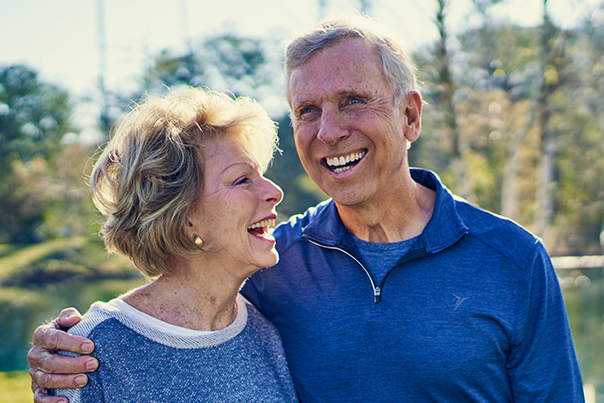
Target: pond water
column 21, row 311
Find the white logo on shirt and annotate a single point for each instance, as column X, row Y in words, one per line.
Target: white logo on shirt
column 460, row 300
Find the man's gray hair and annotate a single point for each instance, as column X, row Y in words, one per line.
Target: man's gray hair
column 398, row 67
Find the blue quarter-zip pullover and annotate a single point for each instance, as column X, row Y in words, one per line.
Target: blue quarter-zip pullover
column 473, row 313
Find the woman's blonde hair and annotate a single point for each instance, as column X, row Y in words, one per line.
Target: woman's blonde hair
column 151, row 173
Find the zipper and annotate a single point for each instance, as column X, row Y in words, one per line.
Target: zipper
column 377, row 290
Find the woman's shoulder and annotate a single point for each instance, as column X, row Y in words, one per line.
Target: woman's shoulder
column 258, row 323
column 99, row 313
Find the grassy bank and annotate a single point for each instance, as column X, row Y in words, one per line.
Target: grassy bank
column 37, row 281
column 15, row 387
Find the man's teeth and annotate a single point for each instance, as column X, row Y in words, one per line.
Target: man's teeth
column 264, row 223
column 337, row 164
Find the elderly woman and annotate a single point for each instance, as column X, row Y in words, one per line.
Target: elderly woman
column 182, row 188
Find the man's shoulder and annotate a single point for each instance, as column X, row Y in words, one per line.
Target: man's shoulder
column 497, row 232
column 290, row 231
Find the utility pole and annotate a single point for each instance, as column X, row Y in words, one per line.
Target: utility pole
column 322, row 9
column 184, row 22
column 365, row 7
column 102, row 42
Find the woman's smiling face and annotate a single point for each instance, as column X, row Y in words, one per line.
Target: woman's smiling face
column 236, row 207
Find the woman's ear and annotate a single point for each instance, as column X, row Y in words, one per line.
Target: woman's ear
column 189, row 228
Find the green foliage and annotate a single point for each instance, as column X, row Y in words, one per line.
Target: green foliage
column 16, row 262
column 495, row 70
column 49, row 197
column 225, row 62
column 34, row 117
column 585, row 307
column 300, row 192
column 511, row 82
column 19, row 194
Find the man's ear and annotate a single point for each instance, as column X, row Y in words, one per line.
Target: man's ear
column 412, row 110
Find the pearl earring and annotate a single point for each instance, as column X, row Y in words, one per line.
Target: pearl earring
column 198, row 241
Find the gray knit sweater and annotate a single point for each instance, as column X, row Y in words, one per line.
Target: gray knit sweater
column 143, row 359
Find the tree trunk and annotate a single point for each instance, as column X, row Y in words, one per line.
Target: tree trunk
column 510, row 196
column 446, row 92
column 544, row 196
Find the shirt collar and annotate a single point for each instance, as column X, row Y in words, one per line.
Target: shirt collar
column 445, row 228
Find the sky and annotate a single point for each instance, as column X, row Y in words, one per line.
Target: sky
column 61, row 38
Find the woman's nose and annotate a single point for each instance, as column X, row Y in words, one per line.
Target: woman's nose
column 274, row 194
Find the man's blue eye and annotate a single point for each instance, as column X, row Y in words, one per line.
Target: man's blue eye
column 355, row 101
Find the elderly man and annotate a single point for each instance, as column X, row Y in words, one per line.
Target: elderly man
column 394, row 290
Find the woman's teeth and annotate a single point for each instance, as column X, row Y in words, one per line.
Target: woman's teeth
column 261, row 227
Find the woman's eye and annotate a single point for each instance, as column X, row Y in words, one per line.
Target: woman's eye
column 242, row 181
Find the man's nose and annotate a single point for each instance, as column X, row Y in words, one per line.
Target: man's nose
column 332, row 127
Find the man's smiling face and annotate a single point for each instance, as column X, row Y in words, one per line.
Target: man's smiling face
column 349, row 133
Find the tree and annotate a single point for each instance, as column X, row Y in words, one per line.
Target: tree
column 225, row 62
column 34, row 117
column 578, row 120
column 510, row 83
column 300, row 192
column 502, row 64
column 445, row 93
column 550, row 55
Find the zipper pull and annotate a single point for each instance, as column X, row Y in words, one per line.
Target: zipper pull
column 377, row 294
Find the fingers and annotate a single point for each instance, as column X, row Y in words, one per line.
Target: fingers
column 67, row 318
column 52, row 370
column 49, row 338
column 41, row 394
column 42, row 360
column 43, row 381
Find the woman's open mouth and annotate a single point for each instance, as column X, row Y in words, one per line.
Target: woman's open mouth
column 261, row 228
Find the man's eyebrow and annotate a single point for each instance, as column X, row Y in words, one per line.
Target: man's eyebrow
column 297, row 106
column 339, row 94
column 346, row 93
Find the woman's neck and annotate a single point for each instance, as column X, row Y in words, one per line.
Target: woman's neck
column 193, row 296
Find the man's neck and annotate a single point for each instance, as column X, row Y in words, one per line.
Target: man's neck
column 400, row 214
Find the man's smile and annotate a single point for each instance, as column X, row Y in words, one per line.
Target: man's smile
column 344, row 162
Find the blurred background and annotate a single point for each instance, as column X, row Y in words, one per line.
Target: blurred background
column 513, row 122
